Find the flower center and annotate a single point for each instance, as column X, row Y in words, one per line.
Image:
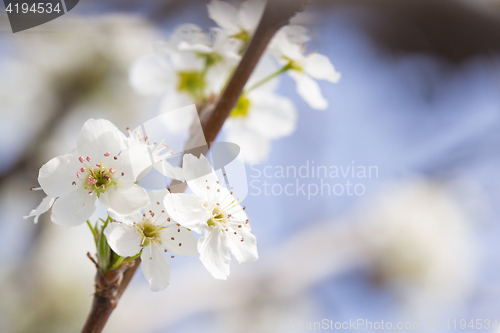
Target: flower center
column 148, row 230
column 242, row 35
column 241, row 109
column 96, row 178
column 190, row 82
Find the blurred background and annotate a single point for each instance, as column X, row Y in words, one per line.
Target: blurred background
column 419, row 100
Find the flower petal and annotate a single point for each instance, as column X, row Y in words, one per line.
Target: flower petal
column 44, row 206
column 199, row 175
column 250, row 13
column 309, row 90
column 176, row 122
column 124, row 199
column 56, row 177
column 157, row 208
column 243, row 244
column 187, row 210
column 100, row 136
column 74, row 208
column 271, row 115
column 179, row 241
column 225, row 15
column 254, row 146
column 319, row 67
column 151, row 75
column 155, row 266
column 214, row 253
column 123, row 239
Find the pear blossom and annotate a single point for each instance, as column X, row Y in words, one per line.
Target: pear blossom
column 153, row 233
column 259, row 117
column 213, row 210
column 44, row 206
column 99, row 167
column 239, row 21
column 186, row 69
column 288, row 47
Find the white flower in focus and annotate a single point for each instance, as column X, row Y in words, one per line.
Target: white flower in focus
column 288, row 47
column 215, row 211
column 239, row 22
column 259, row 117
column 94, row 170
column 44, row 206
column 153, row 233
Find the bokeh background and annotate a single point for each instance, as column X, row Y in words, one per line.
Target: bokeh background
column 419, row 99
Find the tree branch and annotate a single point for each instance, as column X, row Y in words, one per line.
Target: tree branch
column 276, row 15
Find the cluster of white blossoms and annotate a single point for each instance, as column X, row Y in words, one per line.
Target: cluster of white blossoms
column 105, row 167
column 193, row 66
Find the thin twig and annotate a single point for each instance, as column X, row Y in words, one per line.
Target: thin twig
column 276, row 15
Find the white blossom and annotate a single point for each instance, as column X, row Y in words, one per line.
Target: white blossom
column 239, row 21
column 98, row 168
column 186, row 69
column 259, row 117
column 213, row 210
column 153, row 233
column 288, row 47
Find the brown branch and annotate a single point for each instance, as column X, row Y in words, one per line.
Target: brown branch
column 277, row 14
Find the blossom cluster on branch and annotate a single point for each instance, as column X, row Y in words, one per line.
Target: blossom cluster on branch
column 105, row 167
column 193, row 66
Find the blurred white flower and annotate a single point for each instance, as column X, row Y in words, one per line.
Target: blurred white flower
column 153, row 233
column 215, row 211
column 189, row 68
column 421, row 244
column 288, row 48
column 239, row 21
column 259, row 117
column 93, row 170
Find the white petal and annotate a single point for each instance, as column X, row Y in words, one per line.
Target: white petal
column 214, row 253
column 124, row 199
column 179, row 241
column 44, row 206
column 225, row 15
column 74, row 208
column 176, row 122
column 100, row 136
column 57, row 175
column 169, row 171
column 250, row 13
column 319, row 67
column 187, row 210
column 130, row 219
column 155, row 266
column 134, row 161
column 244, row 251
column 151, row 75
column 271, row 115
column 157, row 207
column 199, row 175
column 254, row 146
column 123, row 239
column 309, row 90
